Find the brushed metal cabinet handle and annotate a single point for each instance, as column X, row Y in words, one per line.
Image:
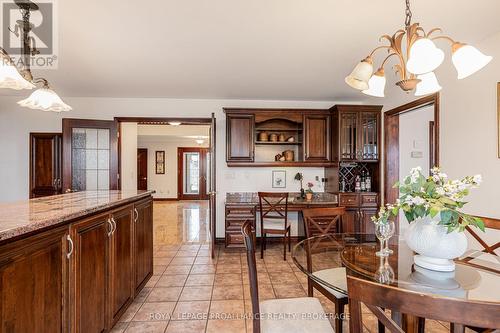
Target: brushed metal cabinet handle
column 72, row 246
column 110, row 232
column 114, row 225
column 136, row 215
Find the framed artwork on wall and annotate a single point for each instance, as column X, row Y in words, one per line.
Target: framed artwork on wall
column 279, row 178
column 160, row 162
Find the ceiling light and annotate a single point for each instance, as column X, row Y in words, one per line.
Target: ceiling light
column 417, row 56
column 468, row 60
column 376, row 85
column 428, row 84
column 10, row 77
column 199, row 141
column 174, row 123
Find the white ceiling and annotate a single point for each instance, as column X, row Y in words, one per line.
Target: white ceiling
column 238, row 49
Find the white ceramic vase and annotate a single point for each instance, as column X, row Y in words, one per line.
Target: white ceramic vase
column 436, row 247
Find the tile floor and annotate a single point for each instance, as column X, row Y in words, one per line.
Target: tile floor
column 191, row 292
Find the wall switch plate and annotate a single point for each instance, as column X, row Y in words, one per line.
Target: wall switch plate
column 417, row 154
column 317, row 178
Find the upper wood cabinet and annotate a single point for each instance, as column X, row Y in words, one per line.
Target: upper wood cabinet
column 45, row 164
column 240, row 137
column 357, row 130
column 317, row 137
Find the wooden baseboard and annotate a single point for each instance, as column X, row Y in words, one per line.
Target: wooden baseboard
column 165, row 199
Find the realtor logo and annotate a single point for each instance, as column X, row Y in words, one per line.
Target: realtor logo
column 42, row 35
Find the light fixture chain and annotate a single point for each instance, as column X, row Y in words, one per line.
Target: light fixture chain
column 408, row 14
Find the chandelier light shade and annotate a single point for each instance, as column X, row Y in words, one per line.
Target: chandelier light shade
column 428, row 84
column 10, row 77
column 468, row 60
column 45, row 99
column 424, row 57
column 361, row 74
column 417, row 59
column 376, row 85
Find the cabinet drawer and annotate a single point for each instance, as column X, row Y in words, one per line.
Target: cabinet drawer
column 234, row 239
column 235, row 225
column 369, row 200
column 348, row 200
column 240, row 212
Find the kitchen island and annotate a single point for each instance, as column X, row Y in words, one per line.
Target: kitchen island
column 73, row 262
column 243, row 206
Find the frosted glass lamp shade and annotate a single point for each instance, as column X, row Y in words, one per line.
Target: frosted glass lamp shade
column 10, row 77
column 468, row 60
column 361, row 74
column 376, row 85
column 428, row 84
column 45, row 99
column 424, row 57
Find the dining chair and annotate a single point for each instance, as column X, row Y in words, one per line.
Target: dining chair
column 303, row 314
column 377, row 297
column 274, row 219
column 320, row 222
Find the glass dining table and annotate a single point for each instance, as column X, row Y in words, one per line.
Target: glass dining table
column 475, row 280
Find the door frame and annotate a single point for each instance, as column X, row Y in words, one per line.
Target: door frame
column 391, row 141
column 203, row 195
column 147, row 166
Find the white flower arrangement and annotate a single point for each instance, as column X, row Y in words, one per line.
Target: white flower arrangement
column 436, row 194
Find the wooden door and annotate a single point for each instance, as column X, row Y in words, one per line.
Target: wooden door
column 367, row 225
column 143, row 243
column 368, row 136
column 213, row 188
column 33, row 287
column 240, row 138
column 192, row 173
column 45, row 164
column 317, row 138
column 121, row 282
column 89, row 277
column 90, row 155
column 142, row 169
column 350, row 220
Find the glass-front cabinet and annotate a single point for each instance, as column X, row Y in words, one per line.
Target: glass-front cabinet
column 359, row 133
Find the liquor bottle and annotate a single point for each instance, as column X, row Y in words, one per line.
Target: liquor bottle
column 368, row 182
column 342, row 185
column 363, row 181
column 357, row 186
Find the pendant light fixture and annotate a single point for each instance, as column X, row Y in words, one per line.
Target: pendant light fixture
column 418, row 58
column 43, row 98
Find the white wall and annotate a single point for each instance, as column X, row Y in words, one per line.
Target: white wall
column 164, row 185
column 128, row 156
column 16, row 123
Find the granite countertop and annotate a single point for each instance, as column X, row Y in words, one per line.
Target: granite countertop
column 319, row 198
column 19, row 218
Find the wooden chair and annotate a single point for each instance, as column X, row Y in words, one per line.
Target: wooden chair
column 377, row 297
column 274, row 218
column 320, row 222
column 303, row 314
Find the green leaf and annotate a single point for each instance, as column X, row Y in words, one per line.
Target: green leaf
column 479, row 223
column 434, row 211
column 445, row 217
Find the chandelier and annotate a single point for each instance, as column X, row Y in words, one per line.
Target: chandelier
column 44, row 98
column 417, row 61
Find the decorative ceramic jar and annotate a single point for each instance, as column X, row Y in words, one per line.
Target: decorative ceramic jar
column 289, row 155
column 309, row 196
column 281, row 138
column 263, row 136
column 273, row 137
column 436, row 247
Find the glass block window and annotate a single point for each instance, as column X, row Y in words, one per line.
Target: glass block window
column 90, row 159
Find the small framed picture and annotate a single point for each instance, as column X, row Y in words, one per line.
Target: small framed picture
column 279, row 179
column 160, row 162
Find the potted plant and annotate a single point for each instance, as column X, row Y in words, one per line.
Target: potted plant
column 309, row 191
column 432, row 205
column 300, row 177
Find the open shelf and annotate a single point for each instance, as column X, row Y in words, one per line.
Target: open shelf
column 277, row 143
column 278, row 129
column 281, row 164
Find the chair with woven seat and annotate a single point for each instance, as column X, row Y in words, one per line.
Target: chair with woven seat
column 320, row 222
column 303, row 314
column 274, row 219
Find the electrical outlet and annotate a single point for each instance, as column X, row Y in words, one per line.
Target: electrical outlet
column 317, row 178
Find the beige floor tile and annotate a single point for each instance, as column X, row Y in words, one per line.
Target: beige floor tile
column 147, row 327
column 157, row 311
column 130, row 312
column 176, row 270
column 162, row 261
column 182, row 261
column 266, row 291
column 227, row 292
column 165, row 254
column 159, row 269
column 187, row 326
column 228, row 268
column 226, row 326
column 203, row 269
column 289, row 291
column 205, row 261
column 227, row 309
column 152, row 281
column 283, row 278
column 200, row 293
column 119, row 328
column 227, row 279
column 164, row 294
column 200, row 280
column 182, row 253
column 171, row 281
column 191, row 310
column 142, row 295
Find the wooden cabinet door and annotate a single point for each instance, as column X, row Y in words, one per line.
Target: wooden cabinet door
column 367, row 225
column 33, row 284
column 368, row 136
column 348, row 137
column 350, row 220
column 317, row 138
column 45, row 164
column 143, row 243
column 240, row 138
column 89, row 278
column 121, row 283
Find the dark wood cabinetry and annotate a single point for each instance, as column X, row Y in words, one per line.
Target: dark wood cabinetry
column 240, row 137
column 360, row 207
column 45, row 164
column 317, row 138
column 236, row 215
column 143, row 243
column 33, row 284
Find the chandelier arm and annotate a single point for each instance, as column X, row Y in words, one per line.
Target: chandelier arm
column 42, row 81
column 379, row 48
column 387, row 58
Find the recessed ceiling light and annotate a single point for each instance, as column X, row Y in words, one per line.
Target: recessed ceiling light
column 174, row 123
column 200, row 141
